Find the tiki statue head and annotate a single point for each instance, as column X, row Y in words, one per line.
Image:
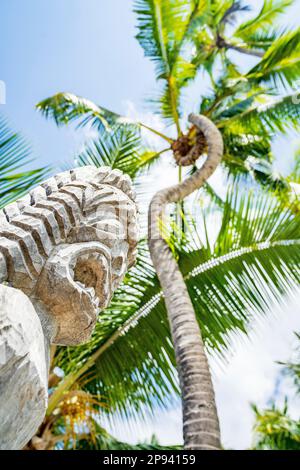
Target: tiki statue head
column 67, row 246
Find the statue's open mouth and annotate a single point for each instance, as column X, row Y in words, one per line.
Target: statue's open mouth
column 92, row 274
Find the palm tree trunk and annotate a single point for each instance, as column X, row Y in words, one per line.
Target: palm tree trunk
column 200, row 419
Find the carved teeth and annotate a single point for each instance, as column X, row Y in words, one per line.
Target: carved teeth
column 96, row 302
column 91, row 291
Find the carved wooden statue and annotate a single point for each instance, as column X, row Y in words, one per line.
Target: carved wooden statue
column 64, row 249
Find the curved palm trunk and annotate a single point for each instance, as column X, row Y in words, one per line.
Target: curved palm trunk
column 200, row 419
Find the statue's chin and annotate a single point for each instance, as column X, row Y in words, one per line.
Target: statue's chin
column 75, row 337
column 75, row 322
column 68, row 323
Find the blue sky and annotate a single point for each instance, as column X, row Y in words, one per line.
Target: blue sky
column 87, row 47
column 83, row 46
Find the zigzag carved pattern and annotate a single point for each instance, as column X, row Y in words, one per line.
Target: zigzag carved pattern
column 31, row 227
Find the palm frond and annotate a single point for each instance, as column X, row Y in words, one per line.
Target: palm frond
column 65, row 108
column 248, row 119
column 274, row 429
column 265, row 18
column 121, row 148
column 14, row 154
column 280, row 65
column 274, row 115
column 230, row 14
column 183, row 72
column 249, row 157
column 118, row 149
column 294, row 175
column 262, row 40
column 163, row 29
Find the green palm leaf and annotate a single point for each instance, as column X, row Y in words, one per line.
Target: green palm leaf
column 121, row 148
column 264, row 20
column 294, row 175
column 274, row 429
column 249, row 157
column 14, row 153
column 262, row 40
column 274, row 115
column 117, row 149
column 164, row 26
column 229, row 15
column 67, row 107
column 281, row 63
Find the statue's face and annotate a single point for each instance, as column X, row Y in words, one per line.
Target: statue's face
column 78, row 237
column 80, row 276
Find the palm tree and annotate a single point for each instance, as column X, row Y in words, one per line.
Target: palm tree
column 183, row 38
column 130, row 360
column 74, row 424
column 217, row 33
column 274, row 429
column 200, row 418
column 248, row 120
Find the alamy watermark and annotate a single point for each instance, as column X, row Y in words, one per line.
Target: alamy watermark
column 2, row 92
